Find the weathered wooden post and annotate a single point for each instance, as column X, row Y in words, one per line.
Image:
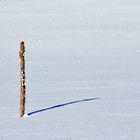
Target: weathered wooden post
column 22, row 79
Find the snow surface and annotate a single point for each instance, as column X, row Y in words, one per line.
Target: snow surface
column 76, row 51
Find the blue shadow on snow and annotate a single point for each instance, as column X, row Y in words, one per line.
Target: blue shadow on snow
column 61, row 105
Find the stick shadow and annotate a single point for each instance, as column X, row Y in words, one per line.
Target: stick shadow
column 60, row 105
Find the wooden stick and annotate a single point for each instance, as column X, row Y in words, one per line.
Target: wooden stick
column 22, row 79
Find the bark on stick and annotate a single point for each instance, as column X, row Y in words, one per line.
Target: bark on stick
column 22, row 79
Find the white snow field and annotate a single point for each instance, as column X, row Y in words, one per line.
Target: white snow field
column 82, row 69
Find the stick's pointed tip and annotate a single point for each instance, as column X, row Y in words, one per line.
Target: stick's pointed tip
column 22, row 45
column 22, row 42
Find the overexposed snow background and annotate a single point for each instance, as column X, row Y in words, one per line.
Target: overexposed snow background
column 75, row 50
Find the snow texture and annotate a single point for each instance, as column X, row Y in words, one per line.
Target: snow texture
column 82, row 68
